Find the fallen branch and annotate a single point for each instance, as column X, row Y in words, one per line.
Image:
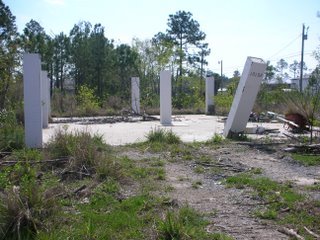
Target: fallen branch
column 312, row 233
column 292, row 137
column 13, row 162
column 312, row 148
column 290, row 233
column 227, row 167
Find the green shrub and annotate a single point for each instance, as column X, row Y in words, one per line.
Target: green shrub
column 88, row 103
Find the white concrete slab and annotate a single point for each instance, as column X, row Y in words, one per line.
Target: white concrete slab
column 188, row 127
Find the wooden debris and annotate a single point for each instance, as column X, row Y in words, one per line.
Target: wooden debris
column 312, row 233
column 290, row 233
column 303, row 148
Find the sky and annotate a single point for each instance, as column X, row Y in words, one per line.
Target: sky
column 235, row 29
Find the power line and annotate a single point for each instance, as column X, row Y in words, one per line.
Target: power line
column 285, row 46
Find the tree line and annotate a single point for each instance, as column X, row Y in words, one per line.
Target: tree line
column 93, row 63
column 86, row 57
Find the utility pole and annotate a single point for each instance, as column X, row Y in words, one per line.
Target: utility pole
column 304, row 37
column 220, row 62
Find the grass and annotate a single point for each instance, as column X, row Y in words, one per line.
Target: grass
column 281, row 203
column 186, row 223
column 307, row 160
column 216, row 139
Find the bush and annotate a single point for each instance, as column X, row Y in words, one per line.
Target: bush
column 88, row 155
column 81, row 147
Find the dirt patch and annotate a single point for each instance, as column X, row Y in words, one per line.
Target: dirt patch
column 231, row 210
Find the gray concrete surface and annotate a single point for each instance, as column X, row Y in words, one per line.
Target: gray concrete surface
column 188, row 127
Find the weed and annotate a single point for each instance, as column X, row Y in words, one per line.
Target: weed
column 196, row 184
column 163, row 136
column 216, row 139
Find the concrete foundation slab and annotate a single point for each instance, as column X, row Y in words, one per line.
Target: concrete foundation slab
column 188, row 127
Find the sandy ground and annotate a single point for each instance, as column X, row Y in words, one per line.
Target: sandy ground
column 188, row 127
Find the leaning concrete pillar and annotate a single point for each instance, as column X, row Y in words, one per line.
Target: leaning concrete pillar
column 44, row 99
column 209, row 95
column 32, row 100
column 135, row 94
column 245, row 96
column 165, row 98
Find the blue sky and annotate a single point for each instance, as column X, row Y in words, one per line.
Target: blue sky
column 269, row 29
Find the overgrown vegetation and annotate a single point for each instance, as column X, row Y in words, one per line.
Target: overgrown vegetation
column 78, row 188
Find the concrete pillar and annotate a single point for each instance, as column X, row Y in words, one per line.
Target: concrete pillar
column 245, row 96
column 44, row 98
column 135, row 94
column 32, row 100
column 49, row 97
column 209, row 95
column 165, row 98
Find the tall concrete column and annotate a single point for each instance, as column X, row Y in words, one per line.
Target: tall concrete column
column 209, row 95
column 245, row 96
column 135, row 94
column 32, row 100
column 165, row 98
column 45, row 97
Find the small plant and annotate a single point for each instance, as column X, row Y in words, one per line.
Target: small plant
column 162, row 136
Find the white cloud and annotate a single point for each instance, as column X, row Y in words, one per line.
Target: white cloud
column 55, row 2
